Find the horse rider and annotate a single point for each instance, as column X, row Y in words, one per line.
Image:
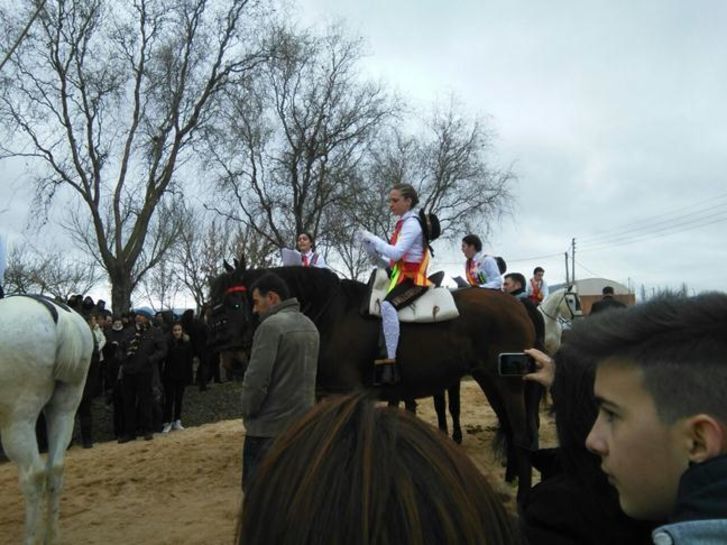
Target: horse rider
column 308, row 256
column 537, row 289
column 408, row 257
column 514, row 284
column 481, row 269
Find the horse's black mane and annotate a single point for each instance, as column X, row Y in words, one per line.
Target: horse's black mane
column 314, row 288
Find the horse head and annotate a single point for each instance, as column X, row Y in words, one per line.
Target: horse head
column 231, row 322
column 572, row 303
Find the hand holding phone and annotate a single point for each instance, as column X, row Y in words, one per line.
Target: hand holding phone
column 515, row 364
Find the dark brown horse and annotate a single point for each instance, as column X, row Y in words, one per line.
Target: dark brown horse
column 432, row 356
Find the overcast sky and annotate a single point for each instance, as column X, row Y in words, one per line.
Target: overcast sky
column 612, row 114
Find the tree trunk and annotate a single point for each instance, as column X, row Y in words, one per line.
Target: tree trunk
column 120, row 292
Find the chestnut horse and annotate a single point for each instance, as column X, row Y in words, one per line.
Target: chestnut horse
column 431, row 356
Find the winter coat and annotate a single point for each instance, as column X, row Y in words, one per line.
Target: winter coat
column 280, row 379
column 700, row 517
column 142, row 350
column 177, row 365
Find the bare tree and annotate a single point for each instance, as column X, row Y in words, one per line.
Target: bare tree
column 293, row 140
column 446, row 158
column 109, row 99
column 161, row 285
column 31, row 270
column 203, row 245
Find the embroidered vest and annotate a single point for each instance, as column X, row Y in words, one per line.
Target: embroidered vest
column 401, row 270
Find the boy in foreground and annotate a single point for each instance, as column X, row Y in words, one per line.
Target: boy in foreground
column 661, row 430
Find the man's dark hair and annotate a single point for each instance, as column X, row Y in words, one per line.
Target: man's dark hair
column 517, row 277
column 607, row 290
column 473, row 240
column 679, row 343
column 536, row 270
column 271, row 282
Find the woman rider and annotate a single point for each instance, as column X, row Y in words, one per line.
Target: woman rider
column 308, row 257
column 409, row 259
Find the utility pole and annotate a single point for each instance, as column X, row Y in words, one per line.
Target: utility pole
column 567, row 277
column 573, row 259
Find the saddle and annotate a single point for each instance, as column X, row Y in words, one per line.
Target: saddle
column 47, row 303
column 436, row 305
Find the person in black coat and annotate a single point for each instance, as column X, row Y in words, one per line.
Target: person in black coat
column 607, row 301
column 176, row 374
column 141, row 352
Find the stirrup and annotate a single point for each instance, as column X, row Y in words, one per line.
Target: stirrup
column 384, row 361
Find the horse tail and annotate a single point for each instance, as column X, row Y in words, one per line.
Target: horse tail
column 74, row 348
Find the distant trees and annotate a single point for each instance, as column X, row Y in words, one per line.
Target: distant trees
column 109, row 99
column 312, row 146
column 53, row 273
column 119, row 104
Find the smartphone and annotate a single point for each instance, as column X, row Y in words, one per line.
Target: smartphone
column 515, row 364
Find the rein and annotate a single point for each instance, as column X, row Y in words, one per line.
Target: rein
column 557, row 317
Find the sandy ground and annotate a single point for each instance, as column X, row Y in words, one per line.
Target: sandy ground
column 184, row 488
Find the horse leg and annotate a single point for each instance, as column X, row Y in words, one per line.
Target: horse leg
column 454, row 410
column 410, row 405
column 533, row 396
column 440, row 406
column 513, row 398
column 20, row 446
column 60, row 413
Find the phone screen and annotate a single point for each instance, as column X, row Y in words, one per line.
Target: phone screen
column 515, row 364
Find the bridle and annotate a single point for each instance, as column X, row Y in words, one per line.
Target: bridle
column 558, row 317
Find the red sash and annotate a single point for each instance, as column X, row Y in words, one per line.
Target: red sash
column 416, row 270
column 536, row 295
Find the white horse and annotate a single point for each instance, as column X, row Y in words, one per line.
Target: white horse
column 45, row 352
column 561, row 306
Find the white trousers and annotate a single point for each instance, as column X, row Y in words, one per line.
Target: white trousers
column 390, row 322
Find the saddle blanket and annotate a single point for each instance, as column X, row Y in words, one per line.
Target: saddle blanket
column 436, row 305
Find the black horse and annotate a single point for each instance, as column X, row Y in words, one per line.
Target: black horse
column 431, row 356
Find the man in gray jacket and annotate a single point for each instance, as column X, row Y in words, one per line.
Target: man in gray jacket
column 280, row 379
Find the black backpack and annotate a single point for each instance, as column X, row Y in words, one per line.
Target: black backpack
column 501, row 264
column 430, row 227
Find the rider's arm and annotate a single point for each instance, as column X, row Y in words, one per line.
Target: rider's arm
column 492, row 274
column 544, row 290
column 410, row 234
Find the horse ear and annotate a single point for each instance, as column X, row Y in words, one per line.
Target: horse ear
column 242, row 264
column 227, row 266
column 236, row 263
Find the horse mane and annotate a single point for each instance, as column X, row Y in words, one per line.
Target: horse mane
column 314, row 288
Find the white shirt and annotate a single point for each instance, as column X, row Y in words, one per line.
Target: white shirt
column 409, row 244
column 319, row 262
column 543, row 288
column 488, row 273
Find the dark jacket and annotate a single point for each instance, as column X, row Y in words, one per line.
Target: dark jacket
column 535, row 316
column 608, row 302
column 562, row 510
column 143, row 349
column 177, row 365
column 700, row 516
column 280, row 380
column 113, row 355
